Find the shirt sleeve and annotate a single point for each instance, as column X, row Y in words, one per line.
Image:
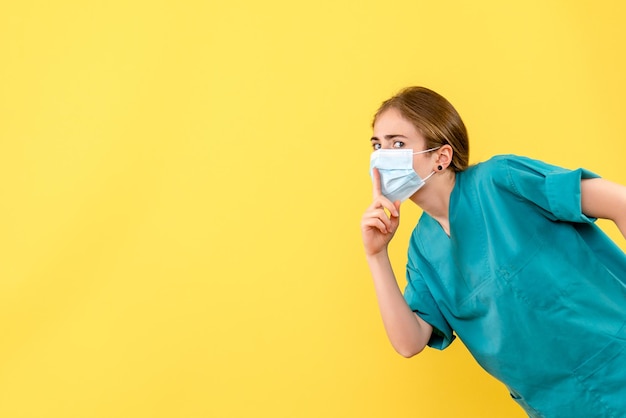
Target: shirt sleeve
column 421, row 301
column 556, row 190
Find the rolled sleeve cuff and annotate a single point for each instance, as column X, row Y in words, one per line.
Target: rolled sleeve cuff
column 564, row 195
column 442, row 335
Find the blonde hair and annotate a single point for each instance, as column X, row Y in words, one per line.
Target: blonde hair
column 435, row 118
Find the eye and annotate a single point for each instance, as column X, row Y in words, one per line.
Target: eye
column 376, row 146
column 398, row 144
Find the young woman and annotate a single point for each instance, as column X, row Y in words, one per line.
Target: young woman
column 506, row 255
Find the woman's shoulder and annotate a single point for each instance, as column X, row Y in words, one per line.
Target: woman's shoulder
column 504, row 164
column 494, row 166
column 499, row 173
column 503, row 160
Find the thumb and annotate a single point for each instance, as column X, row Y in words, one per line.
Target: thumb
column 396, row 205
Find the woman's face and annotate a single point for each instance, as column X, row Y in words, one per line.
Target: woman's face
column 393, row 131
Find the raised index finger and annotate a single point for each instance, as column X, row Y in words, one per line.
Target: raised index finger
column 380, row 198
column 376, row 183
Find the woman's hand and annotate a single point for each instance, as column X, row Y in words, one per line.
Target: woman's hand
column 377, row 225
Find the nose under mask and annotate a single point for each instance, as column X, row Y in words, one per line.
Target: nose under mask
column 398, row 180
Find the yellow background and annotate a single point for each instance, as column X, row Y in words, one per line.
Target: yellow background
column 182, row 185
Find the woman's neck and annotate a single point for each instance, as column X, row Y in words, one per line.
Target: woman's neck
column 434, row 198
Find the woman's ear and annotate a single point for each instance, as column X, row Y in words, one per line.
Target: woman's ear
column 444, row 157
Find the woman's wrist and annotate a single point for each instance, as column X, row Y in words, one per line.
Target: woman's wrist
column 380, row 255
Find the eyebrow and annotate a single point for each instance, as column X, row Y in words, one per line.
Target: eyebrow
column 388, row 137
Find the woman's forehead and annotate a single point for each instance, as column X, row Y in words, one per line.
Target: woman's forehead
column 391, row 122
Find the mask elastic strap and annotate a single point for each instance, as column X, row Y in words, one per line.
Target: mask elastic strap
column 427, row 150
column 428, row 176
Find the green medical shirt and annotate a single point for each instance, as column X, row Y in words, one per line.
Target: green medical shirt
column 533, row 288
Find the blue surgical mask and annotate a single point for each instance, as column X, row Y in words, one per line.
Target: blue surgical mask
column 398, row 180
